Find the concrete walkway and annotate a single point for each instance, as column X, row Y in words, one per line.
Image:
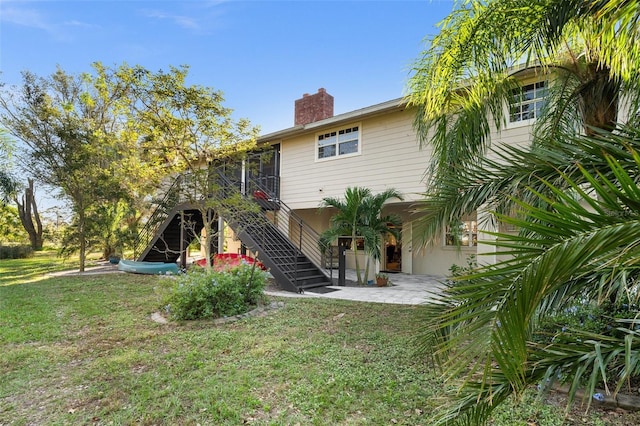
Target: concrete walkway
column 406, row 290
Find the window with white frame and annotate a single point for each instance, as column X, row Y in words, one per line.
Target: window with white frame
column 527, row 102
column 463, row 233
column 339, row 142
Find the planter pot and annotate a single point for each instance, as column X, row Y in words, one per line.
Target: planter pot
column 382, row 282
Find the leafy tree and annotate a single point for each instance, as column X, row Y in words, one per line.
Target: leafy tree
column 190, row 129
column 565, row 253
column 358, row 216
column 8, row 185
column 11, row 230
column 112, row 225
column 79, row 136
column 57, row 120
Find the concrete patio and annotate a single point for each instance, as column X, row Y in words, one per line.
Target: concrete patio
column 405, row 289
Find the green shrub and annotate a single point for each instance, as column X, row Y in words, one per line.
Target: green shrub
column 201, row 294
column 15, row 252
column 456, row 271
column 607, row 319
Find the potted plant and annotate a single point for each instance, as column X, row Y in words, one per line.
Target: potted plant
column 382, row 280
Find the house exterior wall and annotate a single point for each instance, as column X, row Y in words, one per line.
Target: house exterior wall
column 389, row 156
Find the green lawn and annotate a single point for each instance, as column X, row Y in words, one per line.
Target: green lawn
column 83, row 350
column 20, row 271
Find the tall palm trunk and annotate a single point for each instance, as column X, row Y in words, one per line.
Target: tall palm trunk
column 354, row 245
column 598, row 103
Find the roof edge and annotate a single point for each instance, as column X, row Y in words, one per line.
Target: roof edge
column 370, row 111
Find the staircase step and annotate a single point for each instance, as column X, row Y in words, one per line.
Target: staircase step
column 310, row 279
column 313, row 285
column 302, row 273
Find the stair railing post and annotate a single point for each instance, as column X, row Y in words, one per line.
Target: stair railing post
column 300, row 238
column 331, row 263
column 342, row 265
column 183, row 249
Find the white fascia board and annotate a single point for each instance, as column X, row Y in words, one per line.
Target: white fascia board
column 370, row 111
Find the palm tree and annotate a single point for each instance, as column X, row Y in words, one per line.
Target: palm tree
column 577, row 249
column 374, row 226
column 346, row 221
column 358, row 216
column 466, row 76
column 486, row 322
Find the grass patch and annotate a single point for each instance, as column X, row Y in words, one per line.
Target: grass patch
column 37, row 267
column 87, row 350
column 83, row 350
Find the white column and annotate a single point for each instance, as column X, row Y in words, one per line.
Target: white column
column 407, row 248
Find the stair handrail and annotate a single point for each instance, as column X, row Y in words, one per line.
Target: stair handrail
column 234, row 210
column 158, row 215
column 310, row 242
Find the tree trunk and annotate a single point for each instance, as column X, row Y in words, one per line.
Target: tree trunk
column 83, row 240
column 209, row 221
column 354, row 247
column 28, row 213
column 598, row 101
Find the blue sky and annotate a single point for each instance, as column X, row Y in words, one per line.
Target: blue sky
column 261, row 54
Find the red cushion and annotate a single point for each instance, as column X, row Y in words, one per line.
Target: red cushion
column 228, row 260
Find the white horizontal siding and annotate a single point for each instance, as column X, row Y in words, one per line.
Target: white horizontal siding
column 390, row 158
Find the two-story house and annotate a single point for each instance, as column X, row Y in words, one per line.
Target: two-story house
column 374, row 147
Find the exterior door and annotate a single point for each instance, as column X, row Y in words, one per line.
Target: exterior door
column 392, row 255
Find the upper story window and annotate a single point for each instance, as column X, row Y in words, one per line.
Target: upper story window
column 527, row 102
column 339, row 142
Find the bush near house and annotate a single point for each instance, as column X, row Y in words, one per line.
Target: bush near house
column 201, row 294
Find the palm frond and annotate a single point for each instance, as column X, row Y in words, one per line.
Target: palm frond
column 580, row 241
column 513, row 169
column 463, row 80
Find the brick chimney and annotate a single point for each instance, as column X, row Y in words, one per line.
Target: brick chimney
column 312, row 108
